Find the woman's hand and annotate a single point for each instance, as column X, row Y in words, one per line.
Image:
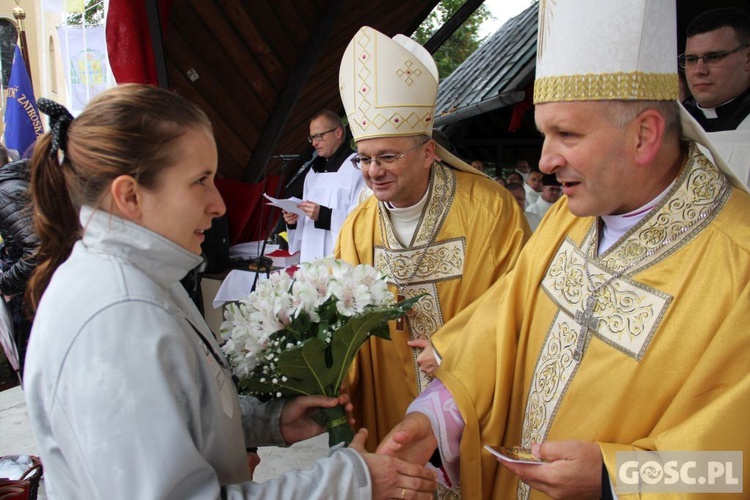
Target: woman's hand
column 394, row 478
column 297, row 420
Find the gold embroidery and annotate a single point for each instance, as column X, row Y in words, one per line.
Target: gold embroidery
column 441, row 261
column 698, row 195
column 627, row 313
column 408, row 73
column 437, row 208
column 370, row 113
column 426, row 317
column 444, row 493
column 603, row 86
column 418, row 268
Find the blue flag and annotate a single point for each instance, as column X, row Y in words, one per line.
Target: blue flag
column 22, row 122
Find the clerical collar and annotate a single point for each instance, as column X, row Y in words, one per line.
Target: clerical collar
column 405, row 220
column 407, row 211
column 709, row 113
column 615, row 226
column 726, row 116
column 721, row 109
column 333, row 163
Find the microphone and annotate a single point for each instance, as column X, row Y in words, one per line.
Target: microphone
column 287, row 157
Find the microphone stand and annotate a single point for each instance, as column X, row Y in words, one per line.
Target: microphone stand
column 262, row 262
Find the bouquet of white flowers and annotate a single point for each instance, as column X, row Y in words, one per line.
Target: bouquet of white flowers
column 299, row 335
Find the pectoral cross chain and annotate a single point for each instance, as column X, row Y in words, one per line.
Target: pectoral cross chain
column 588, row 323
column 400, row 321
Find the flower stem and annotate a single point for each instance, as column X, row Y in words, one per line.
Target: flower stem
column 337, row 425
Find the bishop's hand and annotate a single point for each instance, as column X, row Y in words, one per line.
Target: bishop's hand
column 426, row 359
column 412, row 440
column 574, row 469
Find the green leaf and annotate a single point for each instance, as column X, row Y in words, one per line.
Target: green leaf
column 306, row 366
column 322, row 329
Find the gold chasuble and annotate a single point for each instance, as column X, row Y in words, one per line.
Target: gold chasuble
column 470, row 234
column 644, row 347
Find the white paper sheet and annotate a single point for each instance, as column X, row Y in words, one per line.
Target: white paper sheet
column 289, row 204
column 236, row 286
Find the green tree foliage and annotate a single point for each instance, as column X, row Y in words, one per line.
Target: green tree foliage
column 464, row 41
column 93, row 14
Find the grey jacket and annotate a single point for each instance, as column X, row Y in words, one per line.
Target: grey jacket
column 128, row 391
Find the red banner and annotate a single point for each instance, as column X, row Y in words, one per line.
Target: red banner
column 129, row 45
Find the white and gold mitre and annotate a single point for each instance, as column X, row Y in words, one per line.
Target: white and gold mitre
column 613, row 50
column 388, row 86
column 606, row 50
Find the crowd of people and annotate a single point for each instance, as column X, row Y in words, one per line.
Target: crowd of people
column 593, row 337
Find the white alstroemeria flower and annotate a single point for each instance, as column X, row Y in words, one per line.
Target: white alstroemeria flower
column 281, row 282
column 339, row 269
column 381, row 295
column 231, row 318
column 316, row 276
column 375, row 282
column 352, row 296
column 307, row 299
column 277, row 302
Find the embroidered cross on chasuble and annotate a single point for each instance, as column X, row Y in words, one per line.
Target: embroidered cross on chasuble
column 588, row 323
column 418, row 267
column 621, row 312
column 599, row 298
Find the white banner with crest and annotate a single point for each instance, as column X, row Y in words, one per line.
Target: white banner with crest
column 84, row 57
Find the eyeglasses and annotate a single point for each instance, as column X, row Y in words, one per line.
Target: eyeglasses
column 319, row 137
column 388, row 158
column 711, row 59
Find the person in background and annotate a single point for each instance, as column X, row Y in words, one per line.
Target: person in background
column 434, row 226
column 331, row 190
column 519, row 193
column 515, row 178
column 20, row 243
column 601, row 341
column 716, row 62
column 717, row 68
column 523, row 167
column 478, row 164
column 551, row 192
column 128, row 392
column 533, row 186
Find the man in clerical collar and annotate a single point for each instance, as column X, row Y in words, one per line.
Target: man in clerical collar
column 434, row 226
column 601, row 340
column 551, row 192
column 717, row 68
column 330, row 191
column 533, row 186
column 717, row 71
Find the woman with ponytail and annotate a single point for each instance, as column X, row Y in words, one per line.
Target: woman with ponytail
column 128, row 392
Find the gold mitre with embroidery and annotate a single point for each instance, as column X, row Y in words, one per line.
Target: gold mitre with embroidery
column 389, row 88
column 606, row 50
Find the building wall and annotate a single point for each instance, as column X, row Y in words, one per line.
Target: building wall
column 42, row 43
